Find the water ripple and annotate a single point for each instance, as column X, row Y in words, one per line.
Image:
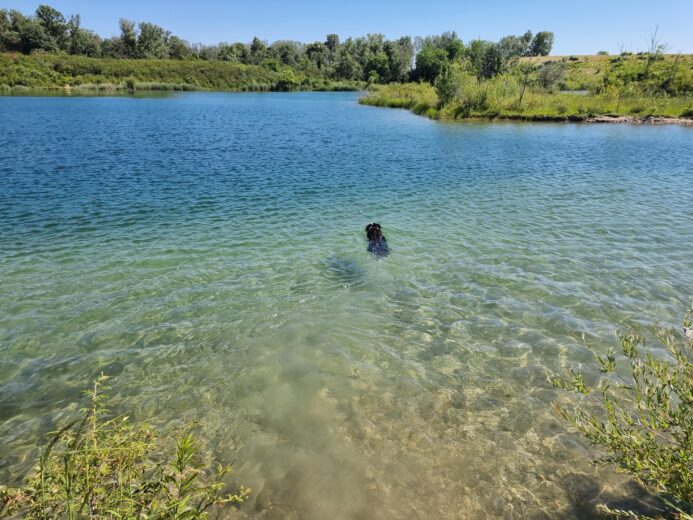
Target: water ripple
column 207, row 251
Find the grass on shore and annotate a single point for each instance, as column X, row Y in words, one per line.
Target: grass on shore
column 499, row 98
column 586, row 72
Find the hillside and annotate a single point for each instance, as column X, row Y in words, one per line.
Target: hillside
column 60, row 71
column 586, row 72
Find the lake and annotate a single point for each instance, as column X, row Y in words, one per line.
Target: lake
column 207, row 252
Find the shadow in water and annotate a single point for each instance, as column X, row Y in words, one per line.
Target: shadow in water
column 585, row 494
column 343, row 271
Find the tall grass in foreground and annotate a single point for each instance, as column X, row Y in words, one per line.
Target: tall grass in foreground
column 101, row 467
column 500, row 98
column 640, row 413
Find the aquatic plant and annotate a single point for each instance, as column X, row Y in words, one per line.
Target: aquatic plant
column 107, row 467
column 642, row 420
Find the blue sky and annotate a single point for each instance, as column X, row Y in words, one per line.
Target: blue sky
column 581, row 27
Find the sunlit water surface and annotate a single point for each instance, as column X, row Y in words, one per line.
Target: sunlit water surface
column 207, row 252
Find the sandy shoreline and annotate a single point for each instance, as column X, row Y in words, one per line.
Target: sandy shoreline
column 645, row 120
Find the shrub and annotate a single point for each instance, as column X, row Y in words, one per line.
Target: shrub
column 101, row 467
column 687, row 113
column 644, row 421
column 432, row 113
column 551, row 74
column 421, row 108
column 448, row 84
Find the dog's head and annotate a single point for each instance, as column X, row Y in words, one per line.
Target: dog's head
column 373, row 232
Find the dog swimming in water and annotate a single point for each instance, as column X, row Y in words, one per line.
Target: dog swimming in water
column 377, row 245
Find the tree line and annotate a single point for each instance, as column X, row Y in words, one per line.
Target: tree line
column 372, row 58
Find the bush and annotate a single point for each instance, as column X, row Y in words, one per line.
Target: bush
column 551, row 74
column 101, row 467
column 643, row 421
column 448, row 84
column 421, row 108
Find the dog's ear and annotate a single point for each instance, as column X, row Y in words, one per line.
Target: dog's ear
column 368, row 227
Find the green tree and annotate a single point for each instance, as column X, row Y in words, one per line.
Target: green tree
column 541, row 44
column 128, row 39
column 448, row 85
column 376, row 68
column 332, row 43
column 452, row 45
column 112, row 48
column 287, row 52
column 347, row 67
column 10, row 23
column 236, row 53
column 81, row 41
column 34, row 37
column 317, row 54
column 485, row 58
column 258, row 49
column 511, row 47
column 178, row 49
column 152, row 42
column 447, row 41
column 551, row 74
column 399, row 56
column 54, row 24
column 430, row 62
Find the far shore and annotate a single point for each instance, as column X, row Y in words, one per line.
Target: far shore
column 152, row 89
column 494, row 101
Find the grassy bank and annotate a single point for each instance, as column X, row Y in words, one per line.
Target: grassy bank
column 549, row 88
column 586, row 72
column 500, row 99
column 20, row 72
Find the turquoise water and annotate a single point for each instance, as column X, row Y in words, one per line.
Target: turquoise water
column 207, row 252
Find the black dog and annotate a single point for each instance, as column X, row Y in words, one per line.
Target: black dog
column 376, row 240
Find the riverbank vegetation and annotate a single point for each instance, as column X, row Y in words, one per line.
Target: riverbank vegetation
column 500, row 99
column 49, row 50
column 101, row 466
column 21, row 73
column 439, row 76
column 637, row 406
column 482, row 81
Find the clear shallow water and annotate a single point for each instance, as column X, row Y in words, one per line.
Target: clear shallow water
column 207, row 251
